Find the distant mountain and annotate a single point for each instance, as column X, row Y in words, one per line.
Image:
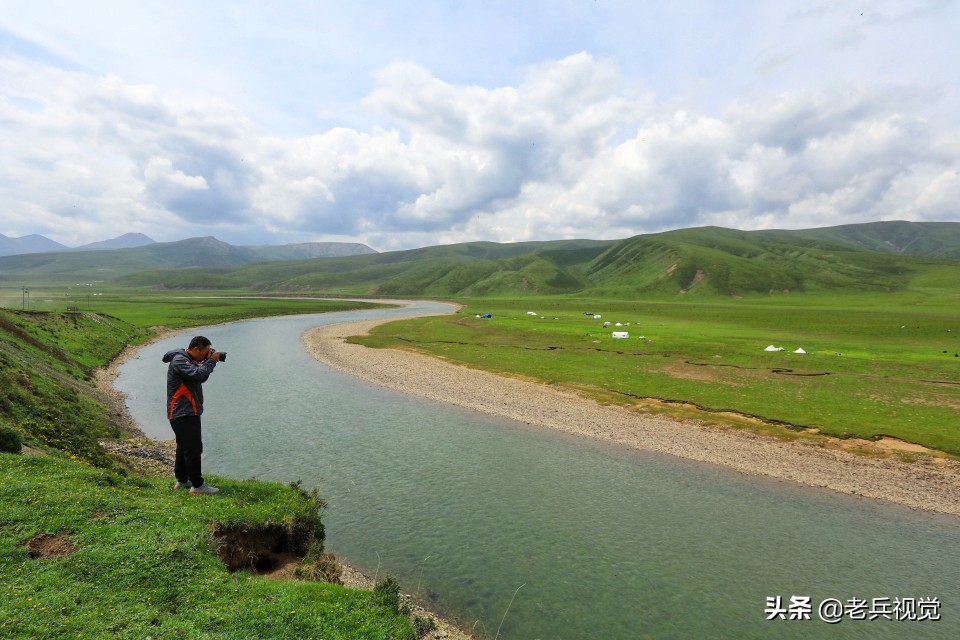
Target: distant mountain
column 307, row 250
column 126, row 241
column 104, row 264
column 299, row 251
column 28, row 244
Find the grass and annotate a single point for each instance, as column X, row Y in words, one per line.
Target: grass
column 166, row 309
column 140, row 561
column 46, row 393
column 876, row 364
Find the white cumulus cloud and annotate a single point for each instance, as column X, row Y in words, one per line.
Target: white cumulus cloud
column 572, row 149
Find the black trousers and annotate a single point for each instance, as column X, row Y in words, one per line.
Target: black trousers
column 186, row 466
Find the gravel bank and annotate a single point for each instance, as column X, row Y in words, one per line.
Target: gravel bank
column 931, row 484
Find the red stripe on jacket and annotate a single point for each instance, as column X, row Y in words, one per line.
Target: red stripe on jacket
column 182, row 392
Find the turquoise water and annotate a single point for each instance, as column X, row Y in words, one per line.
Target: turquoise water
column 601, row 541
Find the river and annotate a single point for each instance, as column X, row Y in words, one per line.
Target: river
column 536, row 534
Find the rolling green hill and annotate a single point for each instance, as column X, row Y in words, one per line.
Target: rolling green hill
column 473, row 268
column 711, row 260
column 924, row 239
column 705, row 261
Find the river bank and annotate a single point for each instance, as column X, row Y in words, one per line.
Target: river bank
column 155, row 458
column 929, row 483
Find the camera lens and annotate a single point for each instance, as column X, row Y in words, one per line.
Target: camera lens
column 222, row 356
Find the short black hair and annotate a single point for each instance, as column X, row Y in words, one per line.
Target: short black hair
column 199, row 342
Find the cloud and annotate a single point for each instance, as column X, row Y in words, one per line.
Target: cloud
column 572, row 149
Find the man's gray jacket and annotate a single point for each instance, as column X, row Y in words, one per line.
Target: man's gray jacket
column 185, row 378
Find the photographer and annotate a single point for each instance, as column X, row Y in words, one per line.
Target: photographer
column 188, row 369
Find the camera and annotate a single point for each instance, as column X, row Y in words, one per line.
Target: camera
column 221, row 356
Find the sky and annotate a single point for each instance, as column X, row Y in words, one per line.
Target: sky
column 404, row 124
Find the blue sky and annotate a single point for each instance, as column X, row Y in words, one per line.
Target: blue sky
column 404, row 124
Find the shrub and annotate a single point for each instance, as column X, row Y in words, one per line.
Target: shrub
column 423, row 625
column 10, row 441
column 387, row 594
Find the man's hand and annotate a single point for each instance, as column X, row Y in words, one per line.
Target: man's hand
column 214, row 355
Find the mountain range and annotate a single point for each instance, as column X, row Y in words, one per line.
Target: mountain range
column 41, row 244
column 690, row 262
column 96, row 262
column 879, row 256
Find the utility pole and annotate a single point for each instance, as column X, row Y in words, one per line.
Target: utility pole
column 26, row 295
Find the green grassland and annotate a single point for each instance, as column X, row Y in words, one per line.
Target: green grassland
column 876, row 364
column 132, row 557
column 140, row 560
column 146, row 308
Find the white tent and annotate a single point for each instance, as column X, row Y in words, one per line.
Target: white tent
column 800, row 350
column 773, row 348
column 621, row 334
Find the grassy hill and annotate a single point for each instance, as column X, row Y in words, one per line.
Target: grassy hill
column 712, row 260
column 88, row 549
column 46, row 360
column 706, row 261
column 475, row 268
column 923, row 239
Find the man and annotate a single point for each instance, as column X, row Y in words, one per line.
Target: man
column 188, row 369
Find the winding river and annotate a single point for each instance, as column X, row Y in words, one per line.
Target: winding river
column 530, row 533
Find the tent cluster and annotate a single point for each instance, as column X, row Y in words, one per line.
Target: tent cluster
column 596, row 316
column 773, row 348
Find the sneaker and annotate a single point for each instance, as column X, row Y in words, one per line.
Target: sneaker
column 181, row 485
column 203, row 490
